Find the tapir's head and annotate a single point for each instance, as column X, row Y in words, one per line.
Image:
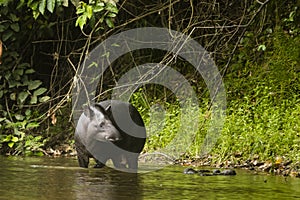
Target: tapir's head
column 100, row 126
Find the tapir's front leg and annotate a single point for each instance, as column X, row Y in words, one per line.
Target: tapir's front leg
column 83, row 159
column 99, row 164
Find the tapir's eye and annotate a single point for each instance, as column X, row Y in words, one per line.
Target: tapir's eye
column 101, row 124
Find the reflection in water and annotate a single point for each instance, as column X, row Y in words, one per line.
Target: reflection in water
column 107, row 184
column 45, row 178
column 60, row 178
column 21, row 180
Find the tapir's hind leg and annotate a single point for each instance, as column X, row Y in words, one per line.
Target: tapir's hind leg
column 132, row 162
column 119, row 161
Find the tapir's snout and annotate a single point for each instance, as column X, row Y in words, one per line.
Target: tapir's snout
column 112, row 134
column 112, row 138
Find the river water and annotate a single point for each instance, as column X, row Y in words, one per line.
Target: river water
column 61, row 178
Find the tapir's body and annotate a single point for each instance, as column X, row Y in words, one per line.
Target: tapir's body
column 104, row 131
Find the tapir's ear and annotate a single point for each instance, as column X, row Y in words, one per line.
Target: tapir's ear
column 101, row 109
column 88, row 111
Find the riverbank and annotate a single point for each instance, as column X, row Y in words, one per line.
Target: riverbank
column 281, row 166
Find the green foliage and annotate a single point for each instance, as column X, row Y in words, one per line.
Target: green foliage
column 33, row 146
column 263, row 113
column 290, row 23
column 168, row 127
column 264, row 107
column 101, row 10
column 40, row 7
column 20, row 93
column 261, row 130
column 18, row 85
column 161, row 127
column 93, row 10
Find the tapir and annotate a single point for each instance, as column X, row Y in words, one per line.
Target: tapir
column 113, row 130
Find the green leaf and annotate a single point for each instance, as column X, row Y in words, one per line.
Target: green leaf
column 37, row 138
column 81, row 7
column 34, row 84
column 35, row 14
column 6, row 35
column 14, row 139
column 44, row 99
column 11, row 144
column 39, row 91
column 80, row 11
column 7, row 76
column 24, row 65
column 22, row 96
column 261, row 47
column 89, row 11
column 21, row 4
column 100, row 3
column 13, row 17
column 13, row 83
column 19, row 117
column 29, row 71
column 33, row 100
column 42, row 6
column 109, row 22
column 65, row 3
column 81, row 21
column 21, row 133
column 15, row 27
column 32, row 125
column 51, row 5
column 12, row 96
column 98, row 9
column 111, row 15
column 112, row 8
column 28, row 112
column 18, row 72
column 7, row 138
column 2, row 28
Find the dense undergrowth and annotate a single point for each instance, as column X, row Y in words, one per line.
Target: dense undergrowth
column 264, row 105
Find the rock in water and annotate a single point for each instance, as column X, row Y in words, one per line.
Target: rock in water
column 189, row 171
column 228, row 172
